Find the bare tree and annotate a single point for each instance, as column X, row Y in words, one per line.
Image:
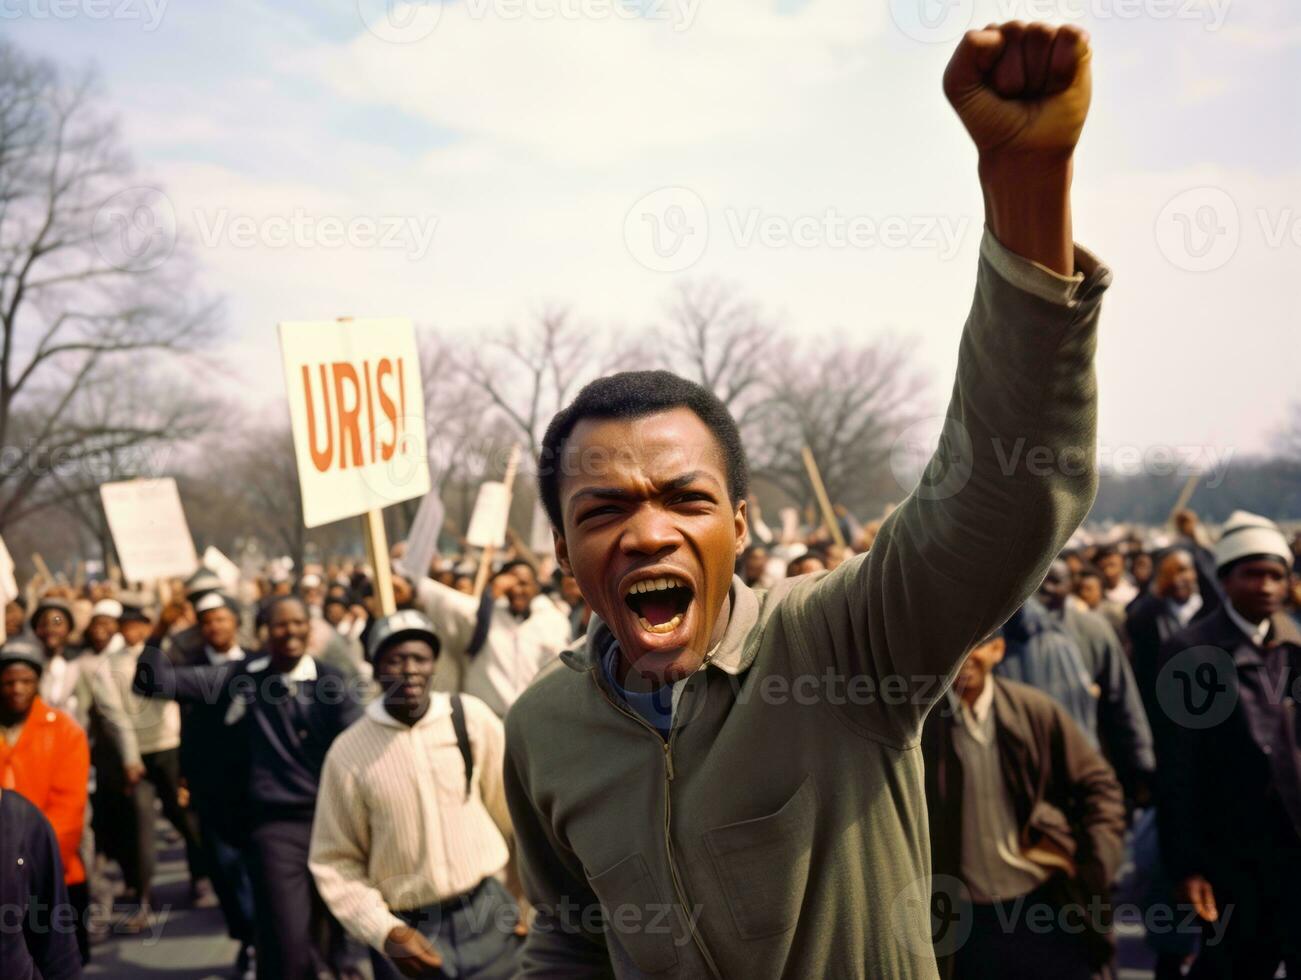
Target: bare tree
column 91, row 283
column 531, row 373
column 724, row 343
column 846, row 403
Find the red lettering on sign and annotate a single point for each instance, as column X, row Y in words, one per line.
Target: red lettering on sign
column 352, row 408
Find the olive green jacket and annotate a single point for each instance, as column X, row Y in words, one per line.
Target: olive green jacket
column 781, row 831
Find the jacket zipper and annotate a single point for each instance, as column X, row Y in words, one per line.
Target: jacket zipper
column 668, row 816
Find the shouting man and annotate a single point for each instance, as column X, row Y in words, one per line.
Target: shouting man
column 720, row 782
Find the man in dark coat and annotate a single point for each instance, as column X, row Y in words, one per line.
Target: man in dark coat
column 42, row 943
column 1229, row 804
column 1123, row 731
column 283, row 709
column 1027, row 824
column 1175, row 601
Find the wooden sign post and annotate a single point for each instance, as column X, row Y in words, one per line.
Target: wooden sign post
column 828, row 515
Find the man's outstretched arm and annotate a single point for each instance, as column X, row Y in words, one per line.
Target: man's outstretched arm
column 1014, row 472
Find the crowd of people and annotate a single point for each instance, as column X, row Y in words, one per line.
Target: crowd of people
column 335, row 772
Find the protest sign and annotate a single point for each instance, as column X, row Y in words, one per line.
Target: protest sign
column 422, row 539
column 488, row 520
column 149, row 529
column 540, row 539
column 8, row 583
column 357, row 409
column 223, row 568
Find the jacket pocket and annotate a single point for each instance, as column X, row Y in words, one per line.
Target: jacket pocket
column 1048, row 839
column 763, row 865
column 636, row 918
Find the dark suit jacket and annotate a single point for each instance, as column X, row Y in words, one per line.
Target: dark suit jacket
column 1150, row 624
column 1229, row 783
column 1066, row 798
column 30, row 885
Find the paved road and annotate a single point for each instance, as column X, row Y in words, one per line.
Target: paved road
column 191, row 944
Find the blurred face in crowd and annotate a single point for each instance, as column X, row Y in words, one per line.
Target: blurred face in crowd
column 334, row 612
column 18, row 686
column 1089, row 590
column 14, row 617
column 756, row 560
column 1186, row 522
column 99, row 631
column 404, row 671
column 403, row 594
column 975, row 670
column 464, row 583
column 135, row 632
column 804, row 566
column 1056, row 585
column 1112, row 567
column 52, row 629
column 1141, row 568
column 651, row 535
column 1073, row 562
column 313, row 595
column 287, row 629
column 1177, row 577
column 569, row 591
column 521, row 589
column 219, row 627
column 1257, row 587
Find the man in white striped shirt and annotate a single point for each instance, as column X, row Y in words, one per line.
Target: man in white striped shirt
column 411, row 828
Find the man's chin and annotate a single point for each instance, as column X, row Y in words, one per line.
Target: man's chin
column 659, row 667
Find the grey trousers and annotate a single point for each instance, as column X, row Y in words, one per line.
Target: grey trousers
column 474, row 934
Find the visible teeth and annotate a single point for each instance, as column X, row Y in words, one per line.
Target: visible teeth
column 656, row 584
column 668, row 627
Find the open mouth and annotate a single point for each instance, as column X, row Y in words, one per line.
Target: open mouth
column 660, row 604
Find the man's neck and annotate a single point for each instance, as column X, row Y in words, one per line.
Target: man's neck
column 407, row 714
column 283, row 664
column 972, row 692
column 8, row 719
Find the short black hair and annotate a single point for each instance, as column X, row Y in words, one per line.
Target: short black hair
column 513, row 564
column 630, row 395
column 1088, row 571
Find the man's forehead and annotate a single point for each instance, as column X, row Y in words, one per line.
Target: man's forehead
column 656, row 448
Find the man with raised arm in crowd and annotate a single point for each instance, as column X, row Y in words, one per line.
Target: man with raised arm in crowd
column 676, row 772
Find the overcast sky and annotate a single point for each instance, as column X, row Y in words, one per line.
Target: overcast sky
column 487, row 158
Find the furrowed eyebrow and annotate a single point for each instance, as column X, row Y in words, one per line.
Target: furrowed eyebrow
column 618, row 493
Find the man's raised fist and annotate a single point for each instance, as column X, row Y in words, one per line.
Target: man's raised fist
column 1021, row 89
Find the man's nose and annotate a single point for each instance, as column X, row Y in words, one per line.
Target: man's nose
column 650, row 531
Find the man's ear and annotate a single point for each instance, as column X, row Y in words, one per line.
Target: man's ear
column 562, row 551
column 742, row 523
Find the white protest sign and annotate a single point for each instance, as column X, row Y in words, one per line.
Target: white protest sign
column 149, row 529
column 221, row 566
column 488, row 521
column 357, row 409
column 8, row 583
column 422, row 540
column 540, row 540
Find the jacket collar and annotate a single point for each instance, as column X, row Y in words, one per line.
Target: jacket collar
column 1222, row 632
column 731, row 655
column 304, row 670
column 440, row 705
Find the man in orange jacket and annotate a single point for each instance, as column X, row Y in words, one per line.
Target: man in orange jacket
column 45, row 757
